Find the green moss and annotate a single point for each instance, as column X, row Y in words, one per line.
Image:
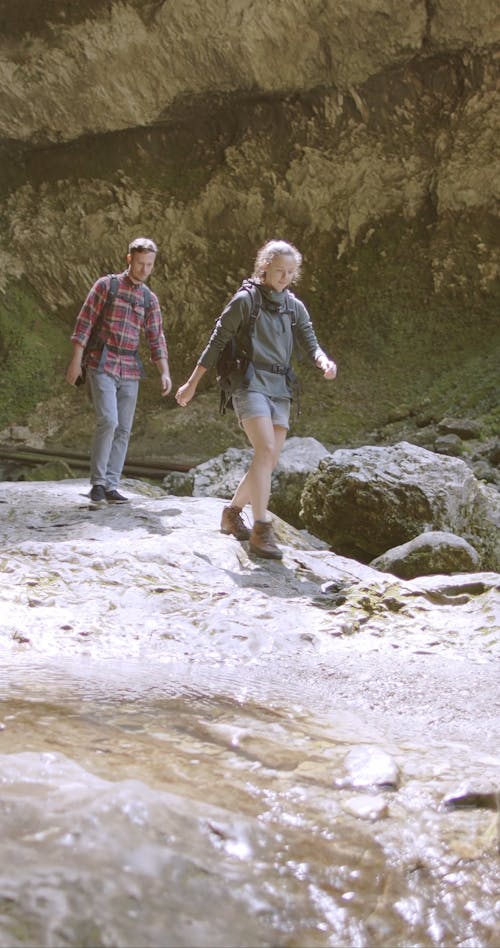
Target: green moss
column 395, row 337
column 405, row 328
column 52, row 471
column 34, row 350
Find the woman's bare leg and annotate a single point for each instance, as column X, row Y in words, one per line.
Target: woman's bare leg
column 267, row 440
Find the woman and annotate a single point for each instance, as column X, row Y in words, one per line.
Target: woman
column 262, row 396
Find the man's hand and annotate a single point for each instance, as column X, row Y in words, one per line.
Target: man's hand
column 74, row 369
column 166, row 384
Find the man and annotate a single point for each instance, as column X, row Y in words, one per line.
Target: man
column 105, row 345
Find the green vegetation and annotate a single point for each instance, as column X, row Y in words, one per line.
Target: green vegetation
column 403, row 349
column 34, row 349
column 399, row 341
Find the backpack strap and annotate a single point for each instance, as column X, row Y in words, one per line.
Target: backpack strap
column 238, row 350
column 289, row 310
column 247, row 328
column 112, row 289
column 291, row 307
column 95, row 341
column 293, row 379
column 148, row 297
column 256, row 299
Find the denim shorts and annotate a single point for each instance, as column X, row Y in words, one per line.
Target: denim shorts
column 259, row 405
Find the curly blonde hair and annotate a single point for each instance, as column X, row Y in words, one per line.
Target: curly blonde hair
column 267, row 253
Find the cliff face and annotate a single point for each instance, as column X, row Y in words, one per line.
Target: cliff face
column 364, row 131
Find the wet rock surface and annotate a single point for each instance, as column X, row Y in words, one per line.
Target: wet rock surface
column 199, row 748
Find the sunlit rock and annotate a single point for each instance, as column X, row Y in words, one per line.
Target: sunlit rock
column 433, row 552
column 370, row 499
column 369, row 766
column 465, row 428
column 180, row 719
column 448, row 444
column 366, row 806
column 161, row 572
column 220, row 476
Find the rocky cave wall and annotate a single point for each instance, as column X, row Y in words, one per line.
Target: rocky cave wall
column 364, row 131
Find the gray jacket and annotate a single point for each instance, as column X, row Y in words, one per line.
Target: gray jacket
column 272, row 339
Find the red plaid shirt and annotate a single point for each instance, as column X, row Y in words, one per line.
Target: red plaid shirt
column 120, row 327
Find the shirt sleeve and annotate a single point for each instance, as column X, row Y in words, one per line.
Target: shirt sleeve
column 90, row 311
column 153, row 329
column 306, row 335
column 225, row 328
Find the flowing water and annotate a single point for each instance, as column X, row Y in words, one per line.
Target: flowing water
column 199, row 750
column 186, row 804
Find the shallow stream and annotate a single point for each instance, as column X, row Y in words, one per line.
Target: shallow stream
column 194, row 805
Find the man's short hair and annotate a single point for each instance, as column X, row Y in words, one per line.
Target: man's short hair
column 142, row 244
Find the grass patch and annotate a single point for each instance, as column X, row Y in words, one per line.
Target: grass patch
column 34, row 350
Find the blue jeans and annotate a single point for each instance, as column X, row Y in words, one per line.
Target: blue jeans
column 114, row 402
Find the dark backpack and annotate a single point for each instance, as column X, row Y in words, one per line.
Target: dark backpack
column 236, row 355
column 94, row 340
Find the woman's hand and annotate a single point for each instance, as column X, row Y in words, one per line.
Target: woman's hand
column 327, row 366
column 185, row 393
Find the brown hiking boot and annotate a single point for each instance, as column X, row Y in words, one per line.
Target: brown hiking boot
column 232, row 523
column 262, row 541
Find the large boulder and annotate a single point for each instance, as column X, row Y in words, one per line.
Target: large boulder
column 299, row 458
column 217, row 477
column 433, row 553
column 367, row 500
column 220, row 476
